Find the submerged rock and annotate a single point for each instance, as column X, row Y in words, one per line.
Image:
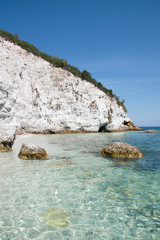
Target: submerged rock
column 121, row 150
column 61, row 163
column 152, row 131
column 29, row 151
column 57, row 218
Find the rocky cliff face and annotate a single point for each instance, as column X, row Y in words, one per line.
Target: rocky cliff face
column 37, row 97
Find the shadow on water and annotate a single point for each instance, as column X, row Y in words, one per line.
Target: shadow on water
column 146, row 163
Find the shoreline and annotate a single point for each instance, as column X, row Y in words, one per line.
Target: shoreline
column 20, row 135
column 75, row 132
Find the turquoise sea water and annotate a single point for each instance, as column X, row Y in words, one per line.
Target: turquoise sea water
column 103, row 198
column 151, row 128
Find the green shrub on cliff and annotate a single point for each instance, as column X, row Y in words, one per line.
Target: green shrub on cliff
column 46, row 57
column 8, row 36
column 29, row 47
column 60, row 63
column 74, row 70
column 25, row 45
column 86, row 75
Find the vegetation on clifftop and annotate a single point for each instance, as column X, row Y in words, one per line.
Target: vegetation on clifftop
column 60, row 63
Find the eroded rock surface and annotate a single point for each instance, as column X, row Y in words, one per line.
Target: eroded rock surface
column 30, row 151
column 127, row 125
column 121, row 150
column 7, row 113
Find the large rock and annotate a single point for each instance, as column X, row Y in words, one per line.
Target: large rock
column 121, row 150
column 29, row 151
column 126, row 125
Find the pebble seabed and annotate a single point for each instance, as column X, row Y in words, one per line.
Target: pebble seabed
column 78, row 194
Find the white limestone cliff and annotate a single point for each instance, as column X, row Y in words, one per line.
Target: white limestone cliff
column 37, row 97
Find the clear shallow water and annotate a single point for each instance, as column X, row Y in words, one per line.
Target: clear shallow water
column 103, row 198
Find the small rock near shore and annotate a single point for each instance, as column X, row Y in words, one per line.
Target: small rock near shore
column 6, row 146
column 121, row 150
column 29, row 151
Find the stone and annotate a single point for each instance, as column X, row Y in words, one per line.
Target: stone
column 152, row 131
column 29, row 151
column 6, row 146
column 127, row 125
column 121, row 150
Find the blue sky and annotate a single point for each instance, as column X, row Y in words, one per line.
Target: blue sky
column 117, row 41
